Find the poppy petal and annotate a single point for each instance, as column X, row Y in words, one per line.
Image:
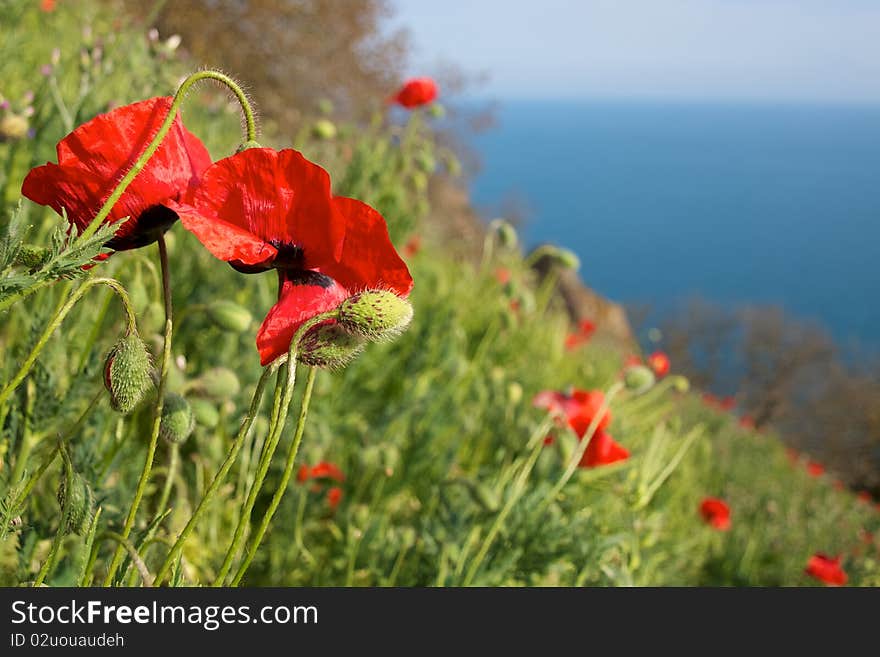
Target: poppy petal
column 224, row 240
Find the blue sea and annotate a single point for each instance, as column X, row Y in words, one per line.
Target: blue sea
column 735, row 203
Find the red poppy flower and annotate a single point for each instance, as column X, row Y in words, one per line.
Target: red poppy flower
column 502, row 275
column 47, row 6
column 747, row 422
column 727, row 403
column 826, row 569
column 94, row 157
column 263, row 209
column 584, row 332
column 334, row 497
column 815, row 469
column 578, row 409
column 864, row 496
column 659, row 362
column 412, row 246
column 325, row 470
column 602, row 450
column 716, row 513
column 416, row 92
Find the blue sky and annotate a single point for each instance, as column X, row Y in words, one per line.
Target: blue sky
column 778, row 50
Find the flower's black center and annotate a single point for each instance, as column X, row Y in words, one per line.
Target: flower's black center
column 308, row 277
column 145, row 229
column 288, row 257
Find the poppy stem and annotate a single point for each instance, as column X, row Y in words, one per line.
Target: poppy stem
column 218, row 479
column 276, row 427
column 55, row 322
column 153, row 146
column 157, row 414
column 285, row 479
column 62, row 524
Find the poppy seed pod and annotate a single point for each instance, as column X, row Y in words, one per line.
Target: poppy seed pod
column 229, row 316
column 638, row 378
column 329, row 347
column 205, row 413
column 79, row 502
column 177, row 419
column 375, row 314
column 324, row 129
column 220, row 383
column 127, row 373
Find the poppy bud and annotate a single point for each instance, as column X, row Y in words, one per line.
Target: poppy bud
column 329, row 347
column 437, row 111
column 680, row 384
column 563, row 258
column 229, row 316
column 324, row 129
column 638, row 378
column 177, row 419
column 127, row 373
column 375, row 314
column 205, row 413
column 220, row 383
column 30, row 256
column 514, row 393
column 79, row 501
column 426, row 162
column 506, row 233
column 13, row 127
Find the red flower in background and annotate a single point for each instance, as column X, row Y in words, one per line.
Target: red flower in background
column 323, row 470
column 94, row 157
column 815, row 469
column 582, row 335
column 502, row 275
column 747, row 422
column 864, row 496
column 578, row 409
column 602, row 450
column 659, row 362
column 416, row 92
column 47, row 6
column 716, row 513
column 412, row 246
column 826, row 569
column 727, row 403
column 334, row 497
column 262, row 209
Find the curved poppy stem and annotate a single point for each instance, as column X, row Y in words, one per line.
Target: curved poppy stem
column 282, row 486
column 55, row 322
column 153, row 146
column 275, row 430
column 221, row 473
column 157, row 414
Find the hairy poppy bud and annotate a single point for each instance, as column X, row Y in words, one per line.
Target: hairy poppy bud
column 638, row 378
column 205, row 413
column 329, row 347
column 220, row 383
column 375, row 314
column 506, row 233
column 229, row 316
column 324, row 129
column 30, row 256
column 12, row 127
column 127, row 373
column 79, row 501
column 177, row 419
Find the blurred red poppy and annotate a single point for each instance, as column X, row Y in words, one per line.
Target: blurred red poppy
column 412, row 246
column 659, row 362
column 416, row 92
column 261, row 209
column 602, row 450
column 716, row 513
column 325, row 470
column 502, row 275
column 815, row 469
column 747, row 422
column 47, row 6
column 582, row 335
column 864, row 496
column 578, row 408
column 826, row 569
column 334, row 497
column 94, row 157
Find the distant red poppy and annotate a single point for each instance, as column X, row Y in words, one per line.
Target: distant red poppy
column 334, row 496
column 323, row 470
column 47, row 6
column 826, row 569
column 659, row 362
column 94, row 157
column 582, row 335
column 413, row 246
column 747, row 422
column 502, row 275
column 727, row 403
column 716, row 513
column 815, row 469
column 864, row 496
column 416, row 92
column 261, row 209
column 602, row 450
column 578, row 408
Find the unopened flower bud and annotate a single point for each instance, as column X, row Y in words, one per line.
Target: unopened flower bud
column 12, row 127
column 329, row 347
column 506, row 233
column 638, row 378
column 324, row 129
column 229, row 316
column 205, row 413
column 437, row 111
column 127, row 373
column 79, row 502
column 220, row 383
column 375, row 314
column 177, row 420
column 563, row 257
column 31, row 256
column 680, row 383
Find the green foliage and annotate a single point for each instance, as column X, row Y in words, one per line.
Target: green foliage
column 447, row 480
